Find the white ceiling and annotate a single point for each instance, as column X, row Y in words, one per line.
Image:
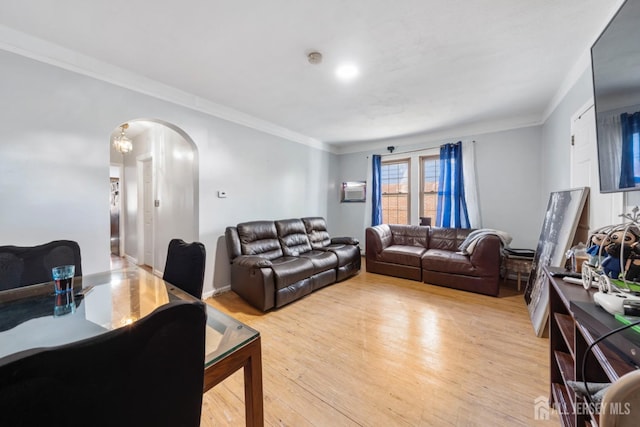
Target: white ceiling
column 426, row 66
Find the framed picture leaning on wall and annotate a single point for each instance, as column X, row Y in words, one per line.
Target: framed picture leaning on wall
column 565, row 224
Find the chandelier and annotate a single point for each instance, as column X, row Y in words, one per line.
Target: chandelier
column 121, row 142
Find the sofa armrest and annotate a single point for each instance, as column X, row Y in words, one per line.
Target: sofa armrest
column 254, row 285
column 377, row 239
column 345, row 240
column 252, row 261
column 486, row 254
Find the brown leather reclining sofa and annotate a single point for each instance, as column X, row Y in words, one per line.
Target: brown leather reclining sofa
column 276, row 262
column 431, row 255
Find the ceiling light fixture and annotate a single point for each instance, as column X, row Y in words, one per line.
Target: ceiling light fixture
column 121, row 142
column 347, row 72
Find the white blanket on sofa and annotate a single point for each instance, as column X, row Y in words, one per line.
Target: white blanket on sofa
column 473, row 238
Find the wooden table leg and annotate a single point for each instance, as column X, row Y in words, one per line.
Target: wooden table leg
column 249, row 358
column 253, row 400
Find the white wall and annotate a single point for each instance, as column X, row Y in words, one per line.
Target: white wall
column 54, row 158
column 508, row 168
column 556, row 138
column 508, row 174
column 54, row 164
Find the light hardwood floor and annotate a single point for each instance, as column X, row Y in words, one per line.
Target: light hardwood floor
column 380, row 351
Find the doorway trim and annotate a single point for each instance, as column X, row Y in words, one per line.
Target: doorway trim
column 140, row 160
column 195, row 165
column 132, row 214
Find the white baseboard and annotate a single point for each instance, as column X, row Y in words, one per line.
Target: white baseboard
column 131, row 259
column 216, row 292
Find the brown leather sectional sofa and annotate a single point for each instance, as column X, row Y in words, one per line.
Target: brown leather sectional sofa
column 276, row 262
column 432, row 255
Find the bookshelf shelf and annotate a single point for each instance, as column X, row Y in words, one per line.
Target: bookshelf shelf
column 574, row 323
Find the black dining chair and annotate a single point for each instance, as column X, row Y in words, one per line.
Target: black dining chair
column 149, row 373
column 185, row 266
column 28, row 265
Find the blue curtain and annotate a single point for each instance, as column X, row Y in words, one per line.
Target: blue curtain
column 452, row 206
column 376, row 191
column 629, row 170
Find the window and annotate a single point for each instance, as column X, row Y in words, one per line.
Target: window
column 395, row 192
column 630, row 158
column 429, row 173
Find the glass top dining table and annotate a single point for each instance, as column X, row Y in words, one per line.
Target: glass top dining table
column 34, row 317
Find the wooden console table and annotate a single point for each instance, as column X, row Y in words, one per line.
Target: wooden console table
column 574, row 323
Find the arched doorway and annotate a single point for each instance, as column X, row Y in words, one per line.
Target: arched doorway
column 158, row 191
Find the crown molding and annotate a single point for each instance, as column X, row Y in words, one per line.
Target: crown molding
column 427, row 139
column 52, row 54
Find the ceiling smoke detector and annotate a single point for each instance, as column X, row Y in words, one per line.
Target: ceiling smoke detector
column 314, row 57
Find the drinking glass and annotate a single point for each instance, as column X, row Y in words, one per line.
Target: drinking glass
column 63, row 278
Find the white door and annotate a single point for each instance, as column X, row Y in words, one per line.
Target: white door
column 604, row 209
column 147, row 216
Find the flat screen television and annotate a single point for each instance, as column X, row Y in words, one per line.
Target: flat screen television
column 615, row 61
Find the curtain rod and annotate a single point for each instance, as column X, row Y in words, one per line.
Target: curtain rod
column 416, row 150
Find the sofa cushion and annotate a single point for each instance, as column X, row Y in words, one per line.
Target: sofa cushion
column 259, row 238
column 316, row 228
column 321, row 260
column 410, row 235
column 449, row 262
column 293, row 237
column 448, row 239
column 290, row 270
column 402, row 254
